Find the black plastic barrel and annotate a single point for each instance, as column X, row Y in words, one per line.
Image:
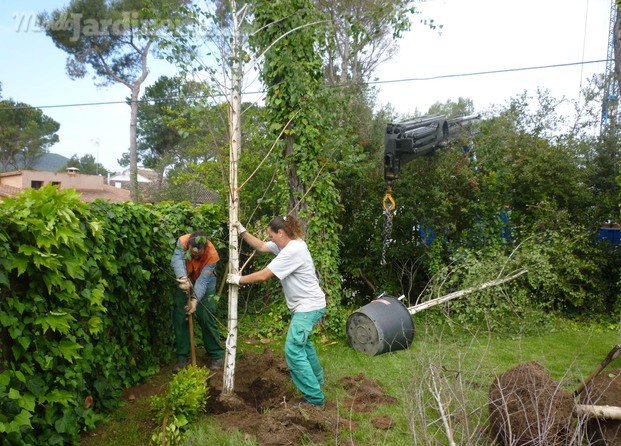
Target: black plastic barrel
column 383, row 325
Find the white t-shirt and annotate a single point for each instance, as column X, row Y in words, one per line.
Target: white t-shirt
column 294, row 267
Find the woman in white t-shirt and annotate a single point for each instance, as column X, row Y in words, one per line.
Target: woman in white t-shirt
column 294, row 266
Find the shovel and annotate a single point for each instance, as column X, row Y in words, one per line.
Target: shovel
column 614, row 353
column 191, row 328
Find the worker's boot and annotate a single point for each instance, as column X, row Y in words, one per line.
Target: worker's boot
column 217, row 364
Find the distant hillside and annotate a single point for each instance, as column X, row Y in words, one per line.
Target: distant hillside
column 51, row 162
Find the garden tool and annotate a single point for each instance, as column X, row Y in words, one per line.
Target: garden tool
column 614, row 353
column 191, row 323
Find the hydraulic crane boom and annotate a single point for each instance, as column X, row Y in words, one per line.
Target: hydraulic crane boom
column 405, row 141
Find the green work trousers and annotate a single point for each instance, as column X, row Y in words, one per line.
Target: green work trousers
column 205, row 315
column 306, row 372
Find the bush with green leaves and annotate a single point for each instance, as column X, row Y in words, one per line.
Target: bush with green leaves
column 185, row 399
column 85, row 296
column 568, row 276
column 51, row 312
column 507, row 308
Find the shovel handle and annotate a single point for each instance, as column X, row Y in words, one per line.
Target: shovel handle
column 191, row 328
column 616, row 350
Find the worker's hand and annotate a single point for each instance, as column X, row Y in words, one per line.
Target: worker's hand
column 240, row 227
column 233, row 279
column 185, row 284
column 191, row 307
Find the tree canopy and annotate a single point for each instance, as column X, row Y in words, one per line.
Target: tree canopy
column 114, row 40
column 25, row 134
column 87, row 165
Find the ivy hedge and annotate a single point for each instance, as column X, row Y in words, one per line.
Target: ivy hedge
column 85, row 304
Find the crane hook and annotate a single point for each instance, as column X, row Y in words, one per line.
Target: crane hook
column 389, row 202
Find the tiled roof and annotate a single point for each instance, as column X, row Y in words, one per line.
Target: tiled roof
column 192, row 191
column 109, row 193
column 8, row 191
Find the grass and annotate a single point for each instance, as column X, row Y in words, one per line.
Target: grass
column 443, row 364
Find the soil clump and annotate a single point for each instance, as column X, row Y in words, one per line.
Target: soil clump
column 527, row 407
column 603, row 390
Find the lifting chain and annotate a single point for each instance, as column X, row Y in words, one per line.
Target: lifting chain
column 389, row 207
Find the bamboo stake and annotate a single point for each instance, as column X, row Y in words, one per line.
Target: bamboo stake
column 164, row 430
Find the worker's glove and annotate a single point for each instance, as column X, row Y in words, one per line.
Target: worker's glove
column 240, row 227
column 233, row 279
column 191, row 307
column 185, row 284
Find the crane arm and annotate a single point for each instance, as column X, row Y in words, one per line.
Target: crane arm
column 405, row 141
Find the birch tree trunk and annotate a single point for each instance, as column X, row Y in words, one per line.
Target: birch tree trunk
column 228, row 384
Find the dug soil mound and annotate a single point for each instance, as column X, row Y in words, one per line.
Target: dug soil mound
column 527, row 407
column 265, row 404
column 603, row 390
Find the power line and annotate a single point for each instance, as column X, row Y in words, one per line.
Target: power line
column 380, row 82
column 480, row 73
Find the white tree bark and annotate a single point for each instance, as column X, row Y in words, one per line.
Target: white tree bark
column 605, row 412
column 235, row 101
column 432, row 303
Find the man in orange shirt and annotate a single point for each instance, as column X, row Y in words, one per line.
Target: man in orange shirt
column 194, row 263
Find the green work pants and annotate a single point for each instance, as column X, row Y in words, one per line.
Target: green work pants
column 306, row 372
column 205, row 315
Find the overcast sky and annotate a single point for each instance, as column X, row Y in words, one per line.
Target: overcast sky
column 477, row 36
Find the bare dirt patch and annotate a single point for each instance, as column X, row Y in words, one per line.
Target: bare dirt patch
column 266, row 404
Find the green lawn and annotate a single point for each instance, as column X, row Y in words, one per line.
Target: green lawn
column 452, row 366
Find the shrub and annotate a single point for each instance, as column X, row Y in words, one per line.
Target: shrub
column 186, row 398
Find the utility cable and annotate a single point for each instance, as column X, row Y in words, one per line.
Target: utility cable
column 380, row 82
column 586, row 19
column 481, row 73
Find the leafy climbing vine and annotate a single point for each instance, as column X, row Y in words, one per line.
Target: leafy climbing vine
column 299, row 101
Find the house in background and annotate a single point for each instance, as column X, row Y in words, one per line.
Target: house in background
column 153, row 189
column 123, row 179
column 148, row 184
column 90, row 187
